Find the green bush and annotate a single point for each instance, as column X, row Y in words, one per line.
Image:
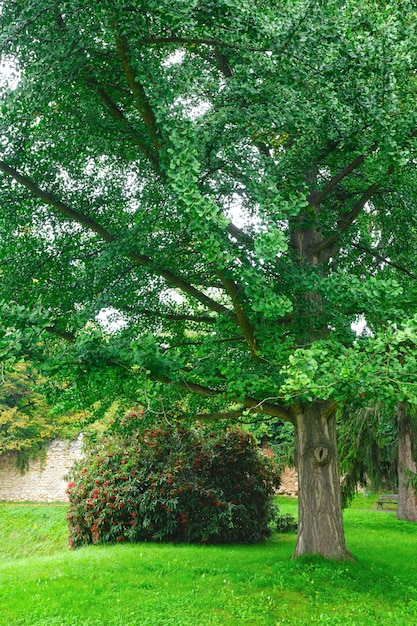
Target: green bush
column 172, row 483
column 285, row 523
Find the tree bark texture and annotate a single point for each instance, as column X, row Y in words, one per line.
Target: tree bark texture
column 407, row 499
column 320, row 529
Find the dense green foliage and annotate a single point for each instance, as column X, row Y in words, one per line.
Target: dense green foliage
column 24, row 414
column 27, row 420
column 172, row 483
column 122, row 167
column 234, row 183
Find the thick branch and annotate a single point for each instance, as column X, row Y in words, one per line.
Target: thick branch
column 343, row 173
column 264, row 407
column 138, row 92
column 246, row 327
column 256, row 406
column 239, row 234
column 92, row 225
column 223, row 64
column 63, row 208
column 62, row 334
column 119, row 116
column 347, row 219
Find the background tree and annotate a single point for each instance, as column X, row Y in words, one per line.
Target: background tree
column 368, row 446
column 27, row 421
column 407, row 462
column 377, row 445
column 136, row 133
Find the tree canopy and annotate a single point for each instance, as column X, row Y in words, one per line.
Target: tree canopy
column 235, row 183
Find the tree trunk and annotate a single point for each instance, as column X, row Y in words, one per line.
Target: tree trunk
column 407, row 499
column 320, row 528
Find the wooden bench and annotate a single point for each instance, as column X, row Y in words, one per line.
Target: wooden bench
column 386, row 498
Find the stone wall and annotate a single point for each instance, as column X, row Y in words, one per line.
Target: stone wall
column 44, row 480
column 289, row 482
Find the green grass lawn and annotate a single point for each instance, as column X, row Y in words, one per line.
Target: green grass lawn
column 43, row 583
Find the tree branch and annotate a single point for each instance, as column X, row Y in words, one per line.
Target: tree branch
column 343, row 173
column 239, row 234
column 264, row 407
column 137, row 90
column 62, row 334
column 256, row 406
column 383, row 259
column 246, row 327
column 139, row 259
column 223, row 64
column 120, row 116
column 347, row 220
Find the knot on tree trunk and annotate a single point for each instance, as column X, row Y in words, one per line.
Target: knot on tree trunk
column 321, row 454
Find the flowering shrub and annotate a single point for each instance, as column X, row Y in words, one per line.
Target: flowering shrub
column 172, row 483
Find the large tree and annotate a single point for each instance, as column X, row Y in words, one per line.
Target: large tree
column 136, row 134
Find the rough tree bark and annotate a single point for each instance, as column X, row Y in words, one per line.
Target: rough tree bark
column 320, row 508
column 320, row 528
column 407, row 498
